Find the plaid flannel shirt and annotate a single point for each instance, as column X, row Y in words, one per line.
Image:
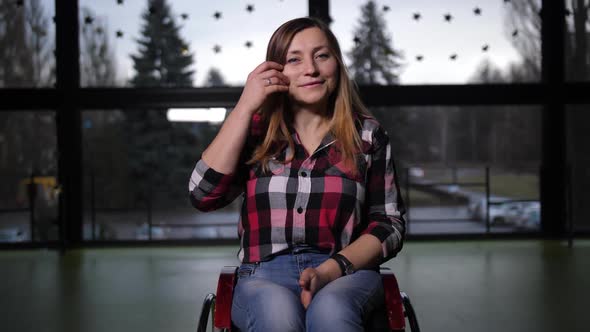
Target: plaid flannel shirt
column 313, row 200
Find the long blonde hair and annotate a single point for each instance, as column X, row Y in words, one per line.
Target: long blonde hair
column 345, row 103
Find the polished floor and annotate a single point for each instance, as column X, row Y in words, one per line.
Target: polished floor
column 493, row 285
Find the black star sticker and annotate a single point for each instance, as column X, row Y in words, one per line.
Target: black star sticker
column 19, row 3
column 250, row 8
column 248, row 44
column 119, row 34
column 453, row 57
column 152, row 10
column 217, row 15
column 99, row 31
column 477, row 11
column 506, row 1
column 356, row 40
column 119, row 2
column 386, row 8
column 448, row 17
column 485, row 48
column 567, row 12
column 417, row 16
column 514, row 33
column 184, row 16
column 419, row 57
column 216, row 48
column 88, row 20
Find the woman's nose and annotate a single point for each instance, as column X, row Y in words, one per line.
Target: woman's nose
column 310, row 67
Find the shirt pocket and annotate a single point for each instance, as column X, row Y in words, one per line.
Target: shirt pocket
column 337, row 167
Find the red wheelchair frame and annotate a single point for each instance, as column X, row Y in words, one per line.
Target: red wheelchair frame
column 397, row 304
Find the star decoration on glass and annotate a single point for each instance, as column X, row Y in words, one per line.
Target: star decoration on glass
column 417, row 16
column 505, row 1
column 88, row 20
column 514, row 33
column 119, row 34
column 567, row 12
column 453, row 57
column 217, row 49
column 119, row 2
column 477, row 11
column 19, row 3
column 386, row 8
column 217, row 15
column 248, row 44
column 184, row 16
column 250, row 8
column 485, row 48
column 419, row 57
column 152, row 10
column 356, row 40
column 99, row 31
column 448, row 17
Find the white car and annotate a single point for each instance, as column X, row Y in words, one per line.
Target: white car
column 504, row 212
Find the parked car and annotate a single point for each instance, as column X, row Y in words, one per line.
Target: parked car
column 530, row 216
column 12, row 234
column 524, row 214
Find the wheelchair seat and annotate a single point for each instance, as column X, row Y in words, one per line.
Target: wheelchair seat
column 393, row 317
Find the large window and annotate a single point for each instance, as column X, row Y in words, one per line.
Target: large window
column 186, row 43
column 28, row 172
column 440, row 42
column 467, row 169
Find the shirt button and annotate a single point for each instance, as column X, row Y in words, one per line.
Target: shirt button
column 300, row 210
column 303, row 174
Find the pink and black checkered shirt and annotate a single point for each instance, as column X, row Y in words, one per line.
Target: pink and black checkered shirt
column 313, row 200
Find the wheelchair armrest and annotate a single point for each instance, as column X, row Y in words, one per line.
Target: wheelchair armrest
column 393, row 300
column 225, row 292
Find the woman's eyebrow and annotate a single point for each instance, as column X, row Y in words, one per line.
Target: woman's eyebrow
column 315, row 49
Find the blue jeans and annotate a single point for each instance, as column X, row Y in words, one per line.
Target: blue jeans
column 267, row 297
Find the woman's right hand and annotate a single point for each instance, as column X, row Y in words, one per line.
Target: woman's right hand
column 263, row 81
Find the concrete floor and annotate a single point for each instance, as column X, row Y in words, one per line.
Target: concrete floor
column 495, row 286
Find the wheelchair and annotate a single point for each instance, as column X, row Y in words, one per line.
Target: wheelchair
column 392, row 317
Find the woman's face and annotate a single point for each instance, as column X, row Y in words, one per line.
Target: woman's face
column 311, row 67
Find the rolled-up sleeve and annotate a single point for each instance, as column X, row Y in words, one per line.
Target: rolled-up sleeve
column 385, row 205
column 210, row 190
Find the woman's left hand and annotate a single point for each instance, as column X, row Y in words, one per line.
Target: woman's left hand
column 311, row 281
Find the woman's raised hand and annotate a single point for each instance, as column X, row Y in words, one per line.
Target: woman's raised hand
column 263, row 81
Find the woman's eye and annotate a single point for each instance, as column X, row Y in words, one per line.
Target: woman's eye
column 292, row 60
column 324, row 55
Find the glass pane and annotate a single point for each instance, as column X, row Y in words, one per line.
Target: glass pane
column 137, row 166
column 578, row 125
column 217, row 43
column 577, row 41
column 439, row 42
column 445, row 153
column 28, row 171
column 27, row 43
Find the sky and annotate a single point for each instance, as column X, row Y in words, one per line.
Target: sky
column 431, row 36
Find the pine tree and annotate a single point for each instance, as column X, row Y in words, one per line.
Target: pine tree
column 215, row 78
column 160, row 153
column 374, row 60
column 163, row 58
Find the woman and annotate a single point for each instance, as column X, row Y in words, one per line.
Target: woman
column 321, row 206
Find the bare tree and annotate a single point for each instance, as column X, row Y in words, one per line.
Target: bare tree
column 97, row 64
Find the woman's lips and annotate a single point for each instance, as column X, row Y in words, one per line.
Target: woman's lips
column 312, row 84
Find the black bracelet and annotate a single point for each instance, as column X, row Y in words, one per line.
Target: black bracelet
column 345, row 265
